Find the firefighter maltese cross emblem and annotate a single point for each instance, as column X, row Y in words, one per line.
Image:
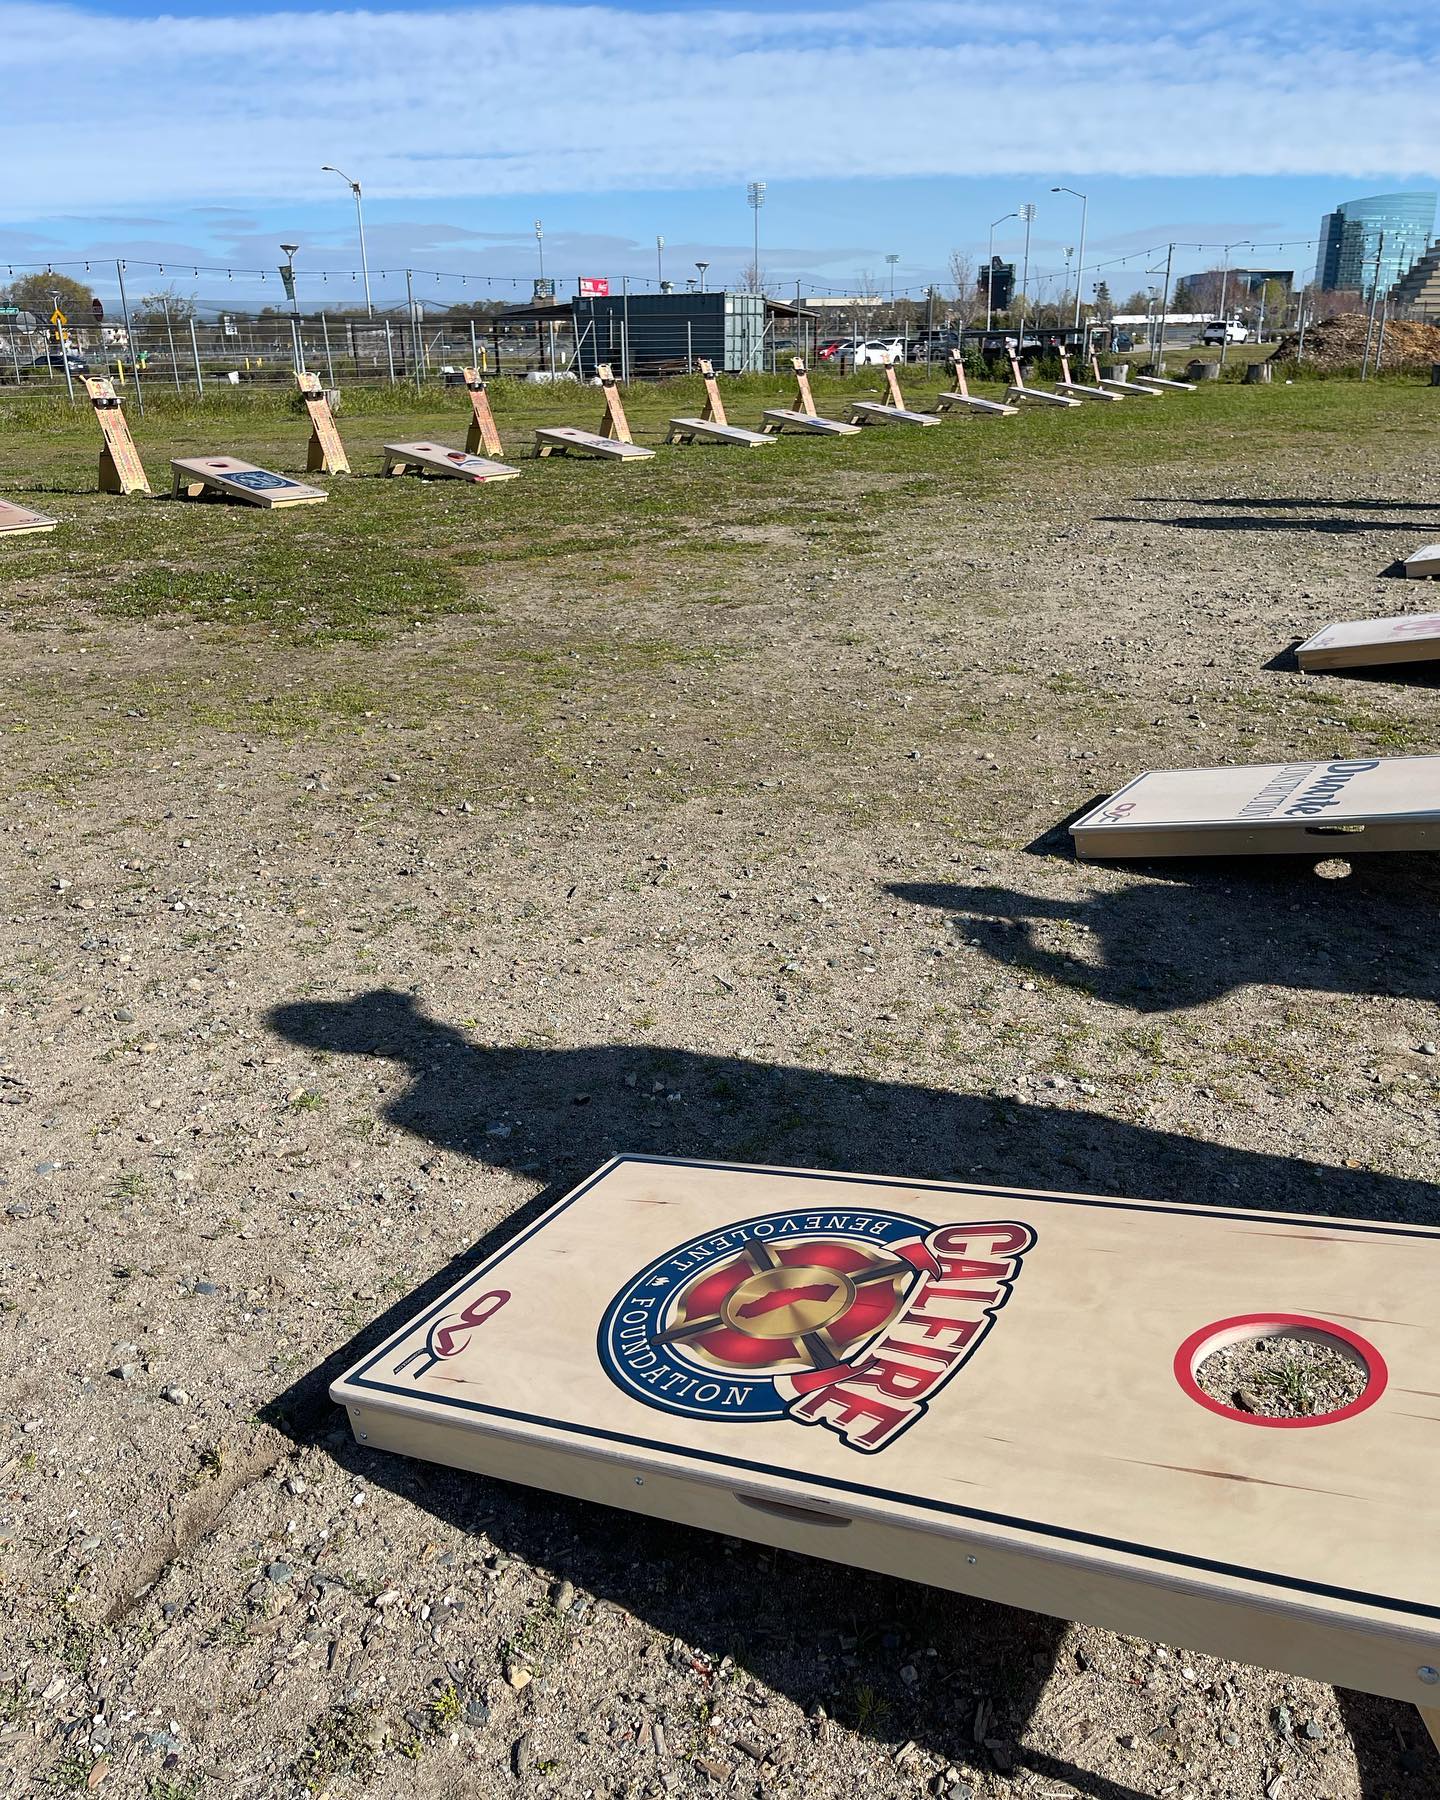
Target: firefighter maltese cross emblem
column 852, row 1320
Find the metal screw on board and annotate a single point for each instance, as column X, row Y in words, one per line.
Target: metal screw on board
column 1428, row 1675
column 969, row 1559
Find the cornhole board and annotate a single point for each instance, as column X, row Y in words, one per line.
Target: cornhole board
column 325, row 453
column 983, row 1388
column 482, row 435
column 613, row 438
column 192, row 476
column 435, row 459
column 712, row 422
column 873, row 412
column 1164, row 383
column 963, row 397
column 1272, row 809
column 803, row 416
column 1041, row 396
column 16, row 520
column 121, row 471
column 1369, row 643
column 1423, row 563
column 1077, row 390
column 1119, row 387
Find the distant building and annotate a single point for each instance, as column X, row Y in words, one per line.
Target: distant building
column 996, row 282
column 1351, row 237
column 1417, row 292
column 1236, row 281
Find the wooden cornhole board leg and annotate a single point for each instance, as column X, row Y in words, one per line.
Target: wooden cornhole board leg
column 1430, row 1717
column 121, row 471
column 483, row 436
column 325, row 454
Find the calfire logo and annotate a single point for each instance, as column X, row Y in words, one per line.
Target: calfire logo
column 853, row 1320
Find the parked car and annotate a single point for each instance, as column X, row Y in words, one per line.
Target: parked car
column 52, row 358
column 1124, row 341
column 875, row 350
column 833, row 347
column 1225, row 331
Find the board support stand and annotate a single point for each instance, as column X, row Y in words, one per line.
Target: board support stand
column 121, row 471
column 325, row 454
column 711, row 421
column 483, row 437
column 1430, row 1719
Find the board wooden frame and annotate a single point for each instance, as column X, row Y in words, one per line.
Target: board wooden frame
column 1163, row 384
column 192, row 477
column 121, row 471
column 1423, row 564
column 1372, row 643
column 1040, row 396
column 613, row 438
column 1132, row 388
column 20, row 521
column 324, row 454
column 482, row 436
column 712, row 422
column 893, row 412
column 1077, row 390
column 961, row 395
column 803, row 416
column 439, row 461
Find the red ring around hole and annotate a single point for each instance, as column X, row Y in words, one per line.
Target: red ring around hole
column 1193, row 1351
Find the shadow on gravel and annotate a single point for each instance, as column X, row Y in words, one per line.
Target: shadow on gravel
column 1243, row 522
column 1348, row 505
column 1195, row 930
column 782, row 1616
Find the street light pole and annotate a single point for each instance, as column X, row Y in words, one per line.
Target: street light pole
column 354, row 186
column 755, row 199
column 659, row 266
column 1027, row 213
column 540, row 247
column 1080, row 266
column 990, row 270
column 288, row 273
column 702, row 267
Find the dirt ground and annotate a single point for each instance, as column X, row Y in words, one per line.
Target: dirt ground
column 326, row 963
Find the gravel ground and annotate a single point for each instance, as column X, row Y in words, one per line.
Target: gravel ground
column 1282, row 1378
column 305, row 1004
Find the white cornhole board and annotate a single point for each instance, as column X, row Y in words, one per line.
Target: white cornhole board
column 1077, row 390
column 1369, row 643
column 961, row 396
column 1272, row 809
column 982, row 1388
column 1424, row 563
column 893, row 412
column 1164, row 383
column 1119, row 387
column 436, row 459
column 191, row 476
column 16, row 520
column 803, row 416
column 613, row 438
column 712, row 422
column 1039, row 396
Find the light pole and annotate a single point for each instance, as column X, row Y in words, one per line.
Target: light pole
column 702, row 267
column 990, row 269
column 1027, row 213
column 287, row 275
column 1080, row 265
column 659, row 266
column 755, row 199
column 354, row 186
column 1239, row 244
column 540, row 247
column 892, row 259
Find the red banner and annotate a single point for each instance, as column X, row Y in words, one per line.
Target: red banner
column 594, row 284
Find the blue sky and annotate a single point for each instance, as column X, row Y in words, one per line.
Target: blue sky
column 195, row 138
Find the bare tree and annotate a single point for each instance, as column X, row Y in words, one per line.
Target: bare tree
column 968, row 291
column 755, row 278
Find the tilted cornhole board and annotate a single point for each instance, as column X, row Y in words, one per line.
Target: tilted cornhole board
column 613, row 438
column 872, row 412
column 325, row 454
column 16, row 520
column 1076, row 390
column 1423, row 563
column 483, row 435
column 1041, row 396
column 712, row 422
column 1119, row 387
column 192, row 476
column 1370, row 643
column 1165, row 384
column 1272, row 809
column 986, row 1389
column 435, row 459
column 963, row 397
column 803, row 416
column 121, row 471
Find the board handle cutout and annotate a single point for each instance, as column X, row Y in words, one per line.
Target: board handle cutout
column 782, row 1509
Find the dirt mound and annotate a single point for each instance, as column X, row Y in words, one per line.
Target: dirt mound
column 1337, row 343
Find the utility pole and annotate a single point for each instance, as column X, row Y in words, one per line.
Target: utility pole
column 1027, row 213
column 1158, row 351
column 1374, row 296
column 354, row 186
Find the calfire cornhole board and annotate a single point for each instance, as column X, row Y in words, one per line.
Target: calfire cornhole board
column 193, row 476
column 893, row 411
column 1299, row 808
column 984, row 1388
column 325, row 453
column 1370, row 643
column 1424, row 563
column 121, row 471
column 613, row 439
column 803, row 416
column 16, row 520
column 712, row 422
column 436, row 459
column 961, row 396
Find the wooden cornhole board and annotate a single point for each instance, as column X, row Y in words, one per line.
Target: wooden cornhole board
column 613, row 438
column 193, row 475
column 1077, row 390
column 325, row 453
column 482, row 435
column 121, row 471
column 987, row 1389
column 1272, row 809
column 1424, row 563
column 1041, row 396
column 16, row 520
column 712, row 422
column 961, row 396
column 872, row 412
column 1119, row 387
column 435, row 459
column 1367, row 643
column 803, row 416
column 1165, row 384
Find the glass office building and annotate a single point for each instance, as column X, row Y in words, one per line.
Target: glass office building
column 1351, row 236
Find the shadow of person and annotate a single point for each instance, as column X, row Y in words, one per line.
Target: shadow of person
column 1204, row 929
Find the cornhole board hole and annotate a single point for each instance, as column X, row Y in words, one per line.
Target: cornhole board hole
column 1119, row 387
column 483, row 435
column 1077, row 390
column 712, row 422
column 435, row 459
column 193, row 476
column 1165, row 384
column 1272, row 809
column 613, row 438
column 1424, row 563
column 983, row 1388
column 1018, row 391
column 1370, row 643
column 961, row 395
column 803, row 416
column 895, row 412
column 325, row 453
column 16, row 520
column 121, row 471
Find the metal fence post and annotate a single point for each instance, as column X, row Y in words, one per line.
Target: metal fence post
column 390, row 352
column 625, row 330
column 195, row 348
column 329, row 363
column 415, row 346
column 170, row 335
column 129, row 336
column 689, row 348
column 474, row 347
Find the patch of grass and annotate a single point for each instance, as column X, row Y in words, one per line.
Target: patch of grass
column 342, row 1742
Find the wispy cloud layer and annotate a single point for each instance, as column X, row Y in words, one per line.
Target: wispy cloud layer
column 526, row 99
